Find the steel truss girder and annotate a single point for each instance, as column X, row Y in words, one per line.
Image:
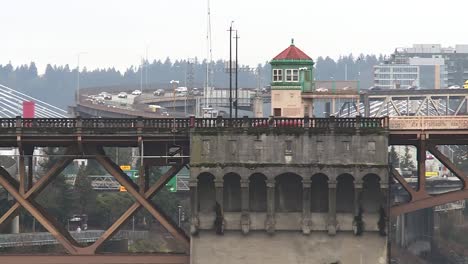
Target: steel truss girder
column 425, row 102
column 26, row 200
column 420, row 199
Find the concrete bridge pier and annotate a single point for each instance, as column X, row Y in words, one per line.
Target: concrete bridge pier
column 286, row 198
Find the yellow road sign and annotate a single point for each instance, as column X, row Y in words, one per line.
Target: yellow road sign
column 432, row 173
column 125, row 167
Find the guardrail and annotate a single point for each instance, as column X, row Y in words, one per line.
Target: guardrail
column 44, row 238
column 191, row 122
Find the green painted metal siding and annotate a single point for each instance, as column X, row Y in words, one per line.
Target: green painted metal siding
column 301, row 84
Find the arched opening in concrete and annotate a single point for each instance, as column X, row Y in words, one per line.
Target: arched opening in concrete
column 231, row 193
column 319, row 193
column 206, row 193
column 345, row 194
column 257, row 193
column 371, row 197
column 288, row 193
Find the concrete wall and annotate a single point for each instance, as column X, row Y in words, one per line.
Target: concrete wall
column 290, row 102
column 288, row 247
column 324, row 149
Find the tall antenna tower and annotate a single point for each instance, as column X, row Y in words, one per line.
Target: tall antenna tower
column 209, row 57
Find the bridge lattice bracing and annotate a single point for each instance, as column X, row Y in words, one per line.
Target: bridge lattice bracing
column 407, row 103
column 84, row 145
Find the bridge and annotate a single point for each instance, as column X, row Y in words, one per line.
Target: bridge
column 85, row 138
column 178, row 106
column 11, row 105
column 444, row 102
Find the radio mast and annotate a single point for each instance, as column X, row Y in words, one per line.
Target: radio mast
column 209, row 58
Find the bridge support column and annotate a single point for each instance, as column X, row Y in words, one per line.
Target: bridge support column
column 332, row 208
column 421, row 155
column 270, row 221
column 306, row 216
column 195, row 221
column 219, row 191
column 358, row 224
column 245, row 217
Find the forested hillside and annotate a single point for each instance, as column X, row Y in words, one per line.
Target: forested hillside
column 57, row 85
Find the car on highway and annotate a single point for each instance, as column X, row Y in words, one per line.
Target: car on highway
column 159, row 92
column 181, row 94
column 196, row 92
column 107, row 96
column 96, row 99
column 455, row 87
column 136, row 92
column 321, row 90
column 414, row 88
column 122, row 95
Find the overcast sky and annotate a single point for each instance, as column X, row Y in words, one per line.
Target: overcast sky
column 117, row 32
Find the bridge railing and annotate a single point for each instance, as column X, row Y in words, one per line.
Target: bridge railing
column 428, row 122
column 43, row 238
column 192, row 122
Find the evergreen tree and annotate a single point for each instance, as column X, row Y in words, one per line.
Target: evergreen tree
column 394, row 157
column 406, row 161
column 55, row 198
column 61, row 80
column 85, row 196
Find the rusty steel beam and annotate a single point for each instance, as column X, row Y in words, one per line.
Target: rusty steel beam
column 58, row 167
column 429, row 201
column 414, row 195
column 34, row 209
column 421, row 155
column 124, row 180
column 447, row 163
column 98, row 259
column 160, row 183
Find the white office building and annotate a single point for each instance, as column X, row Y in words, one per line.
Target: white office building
column 438, row 67
column 405, row 72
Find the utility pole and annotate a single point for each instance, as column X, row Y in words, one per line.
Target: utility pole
column 230, row 70
column 236, row 101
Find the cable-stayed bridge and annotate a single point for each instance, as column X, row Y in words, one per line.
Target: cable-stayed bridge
column 11, row 105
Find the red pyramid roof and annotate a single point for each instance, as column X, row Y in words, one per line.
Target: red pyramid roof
column 292, row 53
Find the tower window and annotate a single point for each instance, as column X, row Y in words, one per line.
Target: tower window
column 277, row 75
column 295, row 75
column 292, row 75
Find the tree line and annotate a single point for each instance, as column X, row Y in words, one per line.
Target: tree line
column 61, row 80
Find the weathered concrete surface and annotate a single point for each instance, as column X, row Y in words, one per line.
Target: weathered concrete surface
column 288, row 247
column 303, row 149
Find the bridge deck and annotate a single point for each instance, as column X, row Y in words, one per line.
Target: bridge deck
column 446, row 129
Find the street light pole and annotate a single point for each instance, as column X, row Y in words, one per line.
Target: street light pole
column 230, row 70
column 236, row 101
